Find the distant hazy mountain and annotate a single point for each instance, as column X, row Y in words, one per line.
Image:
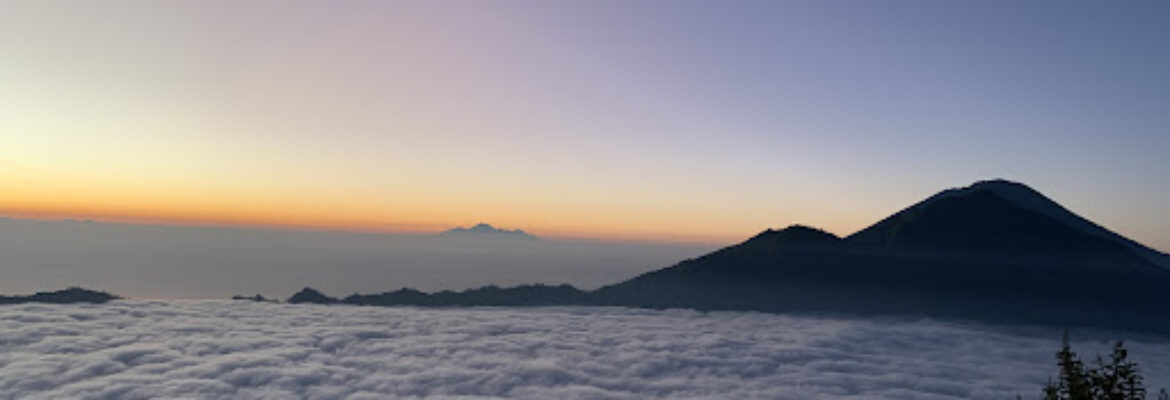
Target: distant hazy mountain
column 995, row 250
column 486, row 231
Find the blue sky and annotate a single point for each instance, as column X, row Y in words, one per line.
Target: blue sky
column 663, row 120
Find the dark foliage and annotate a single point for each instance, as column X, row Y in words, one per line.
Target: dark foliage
column 1115, row 379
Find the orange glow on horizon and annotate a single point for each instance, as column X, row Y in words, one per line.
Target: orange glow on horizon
column 185, row 209
column 43, row 193
column 342, row 225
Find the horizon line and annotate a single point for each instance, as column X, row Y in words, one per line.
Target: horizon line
column 384, row 229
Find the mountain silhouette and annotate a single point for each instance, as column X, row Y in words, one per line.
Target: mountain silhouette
column 999, row 216
column 485, row 231
column 64, row 296
column 993, row 251
column 523, row 295
column 309, row 295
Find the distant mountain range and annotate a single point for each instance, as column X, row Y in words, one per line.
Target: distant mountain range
column 65, row 296
column 995, row 250
column 486, row 231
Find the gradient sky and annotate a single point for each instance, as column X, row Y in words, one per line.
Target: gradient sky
column 659, row 120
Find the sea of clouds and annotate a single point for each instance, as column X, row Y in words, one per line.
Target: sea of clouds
column 246, row 350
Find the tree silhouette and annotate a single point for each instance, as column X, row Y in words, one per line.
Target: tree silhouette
column 1073, row 382
column 1119, row 379
column 1116, row 379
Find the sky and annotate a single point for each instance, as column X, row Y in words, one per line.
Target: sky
column 692, row 121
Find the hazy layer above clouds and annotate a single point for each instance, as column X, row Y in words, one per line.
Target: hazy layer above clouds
column 222, row 349
column 157, row 261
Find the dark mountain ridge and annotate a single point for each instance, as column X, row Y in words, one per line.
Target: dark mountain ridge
column 993, row 251
column 64, row 296
column 998, row 215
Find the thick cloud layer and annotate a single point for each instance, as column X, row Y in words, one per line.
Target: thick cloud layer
column 219, row 349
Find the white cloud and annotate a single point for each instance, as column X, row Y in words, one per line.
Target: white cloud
column 218, row 349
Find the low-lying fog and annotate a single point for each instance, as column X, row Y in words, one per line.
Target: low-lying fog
column 221, row 349
column 157, row 261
